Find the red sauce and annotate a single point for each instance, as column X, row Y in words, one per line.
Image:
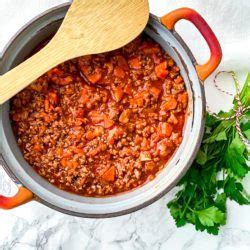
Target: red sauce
column 103, row 124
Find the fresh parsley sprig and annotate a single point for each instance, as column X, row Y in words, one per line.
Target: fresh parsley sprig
column 216, row 174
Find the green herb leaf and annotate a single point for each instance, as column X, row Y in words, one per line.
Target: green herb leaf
column 234, row 190
column 220, row 201
column 201, row 157
column 245, row 92
column 211, row 216
column 234, row 158
column 216, row 173
column 217, row 137
column 247, row 133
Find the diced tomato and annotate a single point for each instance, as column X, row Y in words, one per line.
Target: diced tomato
column 166, row 129
column 128, row 89
column 64, row 162
column 114, row 134
column 170, row 103
column 113, row 112
column 124, row 117
column 117, row 93
column 108, row 123
column 138, row 140
column 95, row 77
column 66, row 80
column 145, row 145
column 77, row 132
column 84, row 97
column 102, row 147
column 67, row 153
column 109, row 175
column 94, row 151
column 178, row 79
column 170, row 62
column 90, row 135
column 145, row 156
column 78, row 151
column 138, row 101
column 135, row 63
column 37, row 147
column 128, row 151
column 85, row 69
column 46, row 117
column 59, row 151
column 80, row 112
column 56, row 71
column 37, row 87
column 181, row 121
column 155, row 91
column 156, row 59
column 42, row 129
column 165, row 147
column 183, row 98
column 161, row 70
column 96, row 117
column 53, row 98
column 46, row 105
column 122, row 62
column 172, row 119
column 151, row 50
column 110, row 67
column 98, row 130
column 111, row 136
column 73, row 164
column 119, row 72
column 149, row 165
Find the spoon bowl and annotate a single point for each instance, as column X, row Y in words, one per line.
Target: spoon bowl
column 90, row 27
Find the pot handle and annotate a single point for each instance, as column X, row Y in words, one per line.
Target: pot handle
column 170, row 19
column 22, row 196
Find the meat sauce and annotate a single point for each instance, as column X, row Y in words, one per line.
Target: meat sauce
column 103, row 124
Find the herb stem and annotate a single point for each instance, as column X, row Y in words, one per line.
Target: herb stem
column 187, row 204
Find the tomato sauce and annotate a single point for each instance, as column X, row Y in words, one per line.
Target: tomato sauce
column 103, row 124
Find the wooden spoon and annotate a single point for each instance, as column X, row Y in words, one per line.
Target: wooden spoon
column 90, row 27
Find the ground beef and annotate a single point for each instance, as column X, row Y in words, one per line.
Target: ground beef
column 103, row 124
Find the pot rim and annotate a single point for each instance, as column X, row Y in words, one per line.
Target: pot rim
column 168, row 188
column 27, row 25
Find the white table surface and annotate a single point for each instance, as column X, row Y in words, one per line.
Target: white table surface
column 34, row 226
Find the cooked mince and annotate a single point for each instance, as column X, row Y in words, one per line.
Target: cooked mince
column 103, row 124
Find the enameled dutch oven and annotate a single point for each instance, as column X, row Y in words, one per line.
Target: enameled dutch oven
column 32, row 186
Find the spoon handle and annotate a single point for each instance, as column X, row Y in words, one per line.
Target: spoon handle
column 21, row 76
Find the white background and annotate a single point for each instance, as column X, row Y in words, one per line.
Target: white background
column 34, row 226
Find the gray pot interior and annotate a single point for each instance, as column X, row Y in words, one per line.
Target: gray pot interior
column 29, row 38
